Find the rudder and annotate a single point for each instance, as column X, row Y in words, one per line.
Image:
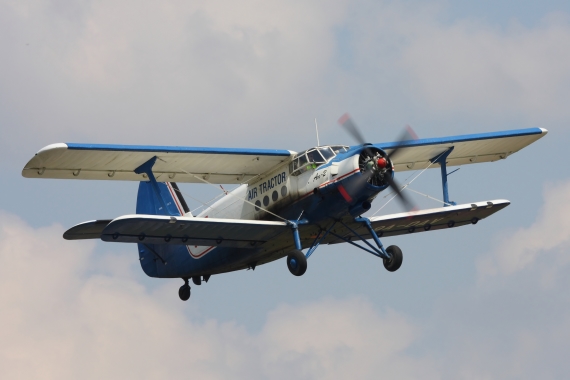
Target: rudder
column 148, row 202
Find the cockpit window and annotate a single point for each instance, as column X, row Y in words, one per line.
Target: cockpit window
column 313, row 158
column 339, row 149
column 327, row 153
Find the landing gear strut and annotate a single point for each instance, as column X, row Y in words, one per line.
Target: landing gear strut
column 184, row 291
column 297, row 262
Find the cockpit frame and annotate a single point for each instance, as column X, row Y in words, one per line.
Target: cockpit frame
column 311, row 159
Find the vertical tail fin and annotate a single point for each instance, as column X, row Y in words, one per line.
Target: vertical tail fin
column 149, row 203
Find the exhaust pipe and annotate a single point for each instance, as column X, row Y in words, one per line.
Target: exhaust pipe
column 359, row 208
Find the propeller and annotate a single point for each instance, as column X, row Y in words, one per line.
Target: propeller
column 374, row 164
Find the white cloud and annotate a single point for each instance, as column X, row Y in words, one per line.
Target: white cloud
column 200, row 68
column 66, row 313
column 468, row 66
column 59, row 321
column 180, row 73
column 549, row 233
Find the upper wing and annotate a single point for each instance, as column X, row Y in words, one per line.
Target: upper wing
column 467, row 149
column 421, row 221
column 118, row 162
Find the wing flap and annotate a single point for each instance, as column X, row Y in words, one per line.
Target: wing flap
column 118, row 162
column 467, row 149
column 191, row 231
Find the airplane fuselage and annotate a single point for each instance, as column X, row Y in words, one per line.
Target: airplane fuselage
column 314, row 193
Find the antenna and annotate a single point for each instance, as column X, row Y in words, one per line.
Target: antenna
column 317, row 129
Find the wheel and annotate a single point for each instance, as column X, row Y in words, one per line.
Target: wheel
column 197, row 280
column 297, row 262
column 184, row 292
column 394, row 263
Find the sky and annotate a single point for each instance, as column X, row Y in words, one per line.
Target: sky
column 478, row 302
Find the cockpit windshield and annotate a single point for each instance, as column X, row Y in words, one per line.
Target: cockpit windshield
column 313, row 158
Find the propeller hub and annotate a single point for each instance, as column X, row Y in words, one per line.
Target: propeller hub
column 382, row 163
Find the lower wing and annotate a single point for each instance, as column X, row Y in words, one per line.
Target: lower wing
column 420, row 221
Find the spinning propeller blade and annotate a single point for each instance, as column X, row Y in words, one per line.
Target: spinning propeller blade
column 408, row 134
column 347, row 123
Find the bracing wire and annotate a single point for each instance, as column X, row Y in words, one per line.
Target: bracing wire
column 233, row 195
column 429, row 196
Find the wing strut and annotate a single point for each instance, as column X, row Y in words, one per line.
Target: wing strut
column 441, row 159
column 318, row 240
column 380, row 251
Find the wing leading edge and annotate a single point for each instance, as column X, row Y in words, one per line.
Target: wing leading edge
column 118, row 162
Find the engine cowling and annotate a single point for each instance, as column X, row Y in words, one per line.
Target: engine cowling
column 376, row 165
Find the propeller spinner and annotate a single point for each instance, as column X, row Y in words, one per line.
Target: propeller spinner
column 375, row 167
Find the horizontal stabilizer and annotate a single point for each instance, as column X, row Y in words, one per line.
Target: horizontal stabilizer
column 86, row 230
column 154, row 229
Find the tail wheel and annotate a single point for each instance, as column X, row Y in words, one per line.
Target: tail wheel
column 395, row 261
column 297, row 262
column 184, row 292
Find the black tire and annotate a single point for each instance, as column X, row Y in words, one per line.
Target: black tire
column 184, row 292
column 297, row 262
column 395, row 262
column 197, row 280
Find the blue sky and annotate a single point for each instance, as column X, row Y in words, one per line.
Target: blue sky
column 487, row 301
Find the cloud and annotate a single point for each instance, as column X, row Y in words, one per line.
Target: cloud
column 201, row 68
column 214, row 73
column 473, row 67
column 61, row 320
column 547, row 235
column 68, row 313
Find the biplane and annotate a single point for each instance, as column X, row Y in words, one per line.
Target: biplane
column 284, row 202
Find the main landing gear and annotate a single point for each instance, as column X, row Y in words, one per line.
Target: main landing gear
column 297, row 262
column 395, row 261
column 391, row 256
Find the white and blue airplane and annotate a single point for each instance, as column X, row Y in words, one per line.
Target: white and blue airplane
column 285, row 202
